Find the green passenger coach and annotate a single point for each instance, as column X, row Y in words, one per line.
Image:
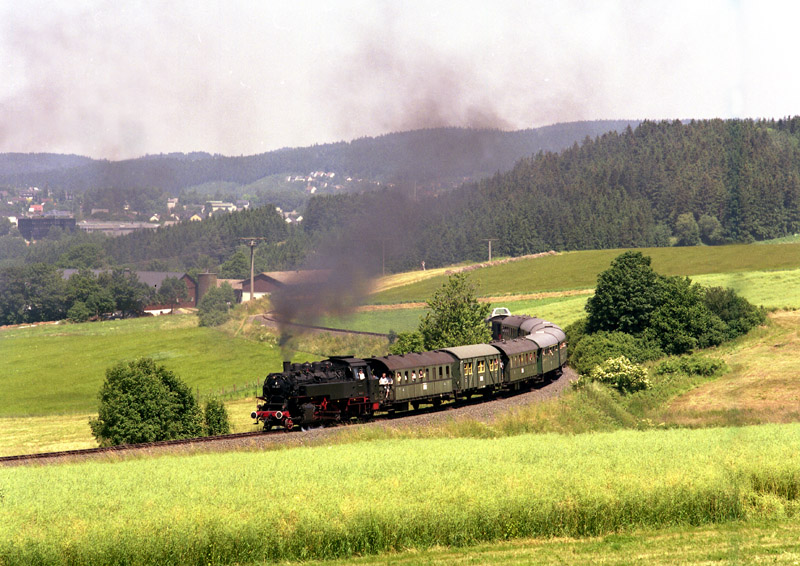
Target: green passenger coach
column 477, row 366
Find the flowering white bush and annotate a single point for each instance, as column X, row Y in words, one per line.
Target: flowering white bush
column 621, row 373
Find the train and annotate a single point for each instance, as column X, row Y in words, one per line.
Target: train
column 524, row 350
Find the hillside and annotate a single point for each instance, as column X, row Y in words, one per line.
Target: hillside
column 422, row 156
column 661, row 184
column 664, row 183
column 579, row 269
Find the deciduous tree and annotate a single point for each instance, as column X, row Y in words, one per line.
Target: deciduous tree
column 455, row 316
column 215, row 304
column 625, row 296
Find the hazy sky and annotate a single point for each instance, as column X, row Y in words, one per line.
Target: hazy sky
column 124, row 78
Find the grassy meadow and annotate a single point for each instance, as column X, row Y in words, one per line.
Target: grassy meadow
column 394, row 495
column 770, row 289
column 579, row 270
column 31, row 435
column 58, row 369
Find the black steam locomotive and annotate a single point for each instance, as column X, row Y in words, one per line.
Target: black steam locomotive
column 524, row 350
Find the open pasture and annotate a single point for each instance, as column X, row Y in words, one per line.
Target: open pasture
column 770, row 289
column 579, row 270
column 59, row 369
column 364, row 498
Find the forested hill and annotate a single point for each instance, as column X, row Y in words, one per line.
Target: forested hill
column 425, row 156
column 660, row 184
column 713, row 181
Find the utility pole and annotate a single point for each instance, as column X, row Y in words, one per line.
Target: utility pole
column 490, row 240
column 252, row 242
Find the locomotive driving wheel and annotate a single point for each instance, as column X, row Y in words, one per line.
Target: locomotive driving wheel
column 289, row 424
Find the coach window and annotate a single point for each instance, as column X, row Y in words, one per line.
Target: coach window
column 481, row 366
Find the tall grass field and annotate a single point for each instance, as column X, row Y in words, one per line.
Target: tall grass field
column 365, row 498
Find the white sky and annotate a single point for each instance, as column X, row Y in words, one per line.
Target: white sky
column 122, row 78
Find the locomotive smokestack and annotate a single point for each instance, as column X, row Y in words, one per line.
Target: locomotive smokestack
column 287, row 366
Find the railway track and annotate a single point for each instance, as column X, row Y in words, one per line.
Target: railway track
column 477, row 407
column 201, row 440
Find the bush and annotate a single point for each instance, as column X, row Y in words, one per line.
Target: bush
column 683, row 322
column 407, row 342
column 78, row 312
column 144, row 402
column 215, row 305
column 690, row 365
column 738, row 314
column 622, row 374
column 592, row 350
column 672, row 312
column 575, row 333
column 216, row 418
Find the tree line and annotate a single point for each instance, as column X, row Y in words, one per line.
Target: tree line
column 38, row 292
column 428, row 155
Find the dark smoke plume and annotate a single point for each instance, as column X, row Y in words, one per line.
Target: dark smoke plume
column 341, row 274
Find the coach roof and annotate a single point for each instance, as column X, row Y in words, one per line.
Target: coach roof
column 414, row 360
column 516, row 346
column 471, row 351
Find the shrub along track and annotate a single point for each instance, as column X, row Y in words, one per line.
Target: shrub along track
column 476, row 408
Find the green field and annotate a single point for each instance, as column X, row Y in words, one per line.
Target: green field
column 770, row 289
column 363, row 498
column 457, row 492
column 579, row 270
column 58, row 369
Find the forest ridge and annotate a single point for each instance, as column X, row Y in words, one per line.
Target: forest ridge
column 422, row 156
column 658, row 184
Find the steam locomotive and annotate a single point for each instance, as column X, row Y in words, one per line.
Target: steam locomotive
column 524, row 350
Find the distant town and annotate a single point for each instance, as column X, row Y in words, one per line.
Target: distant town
column 35, row 212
